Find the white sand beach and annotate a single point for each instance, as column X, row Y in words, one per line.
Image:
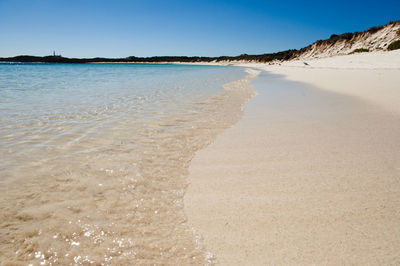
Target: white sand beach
column 311, row 173
column 373, row 77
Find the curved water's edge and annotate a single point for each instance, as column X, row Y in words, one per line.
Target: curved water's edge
column 238, row 93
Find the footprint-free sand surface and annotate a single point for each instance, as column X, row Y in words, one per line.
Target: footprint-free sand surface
column 309, row 175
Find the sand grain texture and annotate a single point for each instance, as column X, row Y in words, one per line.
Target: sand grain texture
column 308, row 176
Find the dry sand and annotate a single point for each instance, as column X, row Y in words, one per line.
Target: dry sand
column 373, row 77
column 311, row 173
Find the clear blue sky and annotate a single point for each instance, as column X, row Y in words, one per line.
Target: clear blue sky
column 121, row 28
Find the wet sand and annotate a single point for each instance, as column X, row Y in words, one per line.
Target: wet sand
column 307, row 176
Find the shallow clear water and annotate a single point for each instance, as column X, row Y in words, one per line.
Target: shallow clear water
column 94, row 158
column 46, row 104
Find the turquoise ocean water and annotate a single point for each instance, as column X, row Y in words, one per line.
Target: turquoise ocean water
column 40, row 104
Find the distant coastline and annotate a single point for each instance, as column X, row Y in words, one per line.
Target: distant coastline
column 380, row 38
column 285, row 55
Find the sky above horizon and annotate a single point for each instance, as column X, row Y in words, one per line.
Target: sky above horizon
column 121, row 28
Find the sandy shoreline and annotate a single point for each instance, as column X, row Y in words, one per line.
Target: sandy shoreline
column 310, row 174
column 372, row 77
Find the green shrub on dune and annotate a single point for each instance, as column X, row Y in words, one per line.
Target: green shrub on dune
column 394, row 45
column 359, row 50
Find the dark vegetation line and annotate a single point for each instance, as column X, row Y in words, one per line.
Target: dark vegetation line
column 280, row 56
column 286, row 55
